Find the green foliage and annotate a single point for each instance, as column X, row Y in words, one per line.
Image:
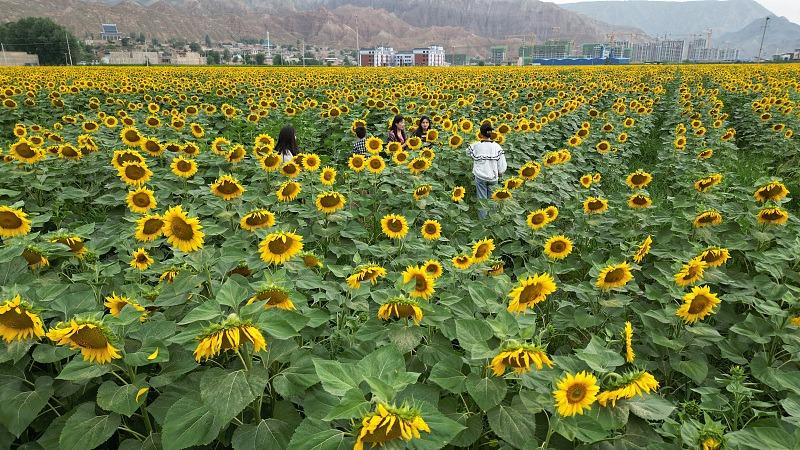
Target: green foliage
column 43, row 37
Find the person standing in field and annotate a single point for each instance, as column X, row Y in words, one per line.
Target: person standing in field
column 423, row 128
column 287, row 144
column 360, row 146
column 397, row 132
column 488, row 164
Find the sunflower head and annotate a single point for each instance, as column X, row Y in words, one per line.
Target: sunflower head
column 228, row 335
column 182, row 232
column 254, row 220
column 520, row 357
column 390, row 423
column 140, row 259
column 530, row 291
column 88, row 335
column 558, row 247
column 357, row 163
column 458, row 194
column 329, row 202
column 575, row 393
column 394, row 226
column 400, row 307
column 279, row 247
column 639, row 179
column 595, row 205
column 697, row 304
column 772, row 216
column 328, row 176
column 19, row 321
column 614, row 276
column 274, row 296
column 13, row 222
column 422, row 283
column 482, row 250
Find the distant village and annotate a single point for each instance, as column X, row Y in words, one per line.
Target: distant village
column 112, row 46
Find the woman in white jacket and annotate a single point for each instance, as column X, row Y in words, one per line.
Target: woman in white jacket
column 488, row 164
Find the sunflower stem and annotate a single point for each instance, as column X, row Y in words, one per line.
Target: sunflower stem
column 551, row 426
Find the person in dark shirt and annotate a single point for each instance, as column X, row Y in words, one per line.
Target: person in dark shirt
column 359, row 146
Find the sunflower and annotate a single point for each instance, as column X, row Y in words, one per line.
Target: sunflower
column 710, row 443
column 432, row 136
column 531, row 291
column 197, row 130
column 13, row 222
column 149, row 227
column 68, row 151
column 365, row 272
column 399, row 157
column 772, row 216
column 394, row 147
column 639, row 201
column 586, row 181
column 501, row 194
column 400, row 307
column 89, row 336
column 311, row 162
column 279, row 247
column 140, row 259
column 374, row 145
column 275, row 297
column 595, row 205
column 310, row 259
column 254, row 220
column 603, row 147
column 130, row 136
column 462, row 262
column 141, row 200
column 169, row 275
column 134, row 173
column 236, row 154
column 35, row 258
column 714, row 256
column 614, row 276
column 482, row 250
column 121, row 157
column 422, row 192
column 455, row 141
column 228, row 335
column 26, row 152
column 433, row 268
column 394, row 226
column 75, row 243
column 227, row 188
column 19, row 321
column 639, row 382
column 388, row 423
column 458, row 194
column 290, row 169
column 697, row 304
column 431, row 230
column 115, row 303
column 375, row 164
column 643, row 250
column 575, row 393
column 423, row 283
column 530, row 170
column 270, row 162
column 537, row 219
column 151, row 146
column 639, row 179
column 558, row 247
column 418, row 165
column 773, row 191
column 519, row 357
column 357, row 163
column 705, row 154
column 329, row 202
column 707, row 218
column 181, row 231
column 691, row 272
column 219, row 146
column 574, row 141
column 327, row 176
column 183, row 167
column 288, row 191
column 513, row 183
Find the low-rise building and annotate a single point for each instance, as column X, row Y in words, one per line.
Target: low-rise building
column 132, row 57
column 18, row 59
column 429, row 56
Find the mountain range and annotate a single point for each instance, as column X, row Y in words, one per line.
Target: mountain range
column 462, row 26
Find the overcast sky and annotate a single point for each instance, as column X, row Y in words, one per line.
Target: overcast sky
column 788, row 8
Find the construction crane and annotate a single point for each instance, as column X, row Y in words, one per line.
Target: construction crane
column 524, row 38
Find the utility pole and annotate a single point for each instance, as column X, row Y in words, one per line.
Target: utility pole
column 66, row 37
column 766, row 22
column 269, row 49
column 358, row 49
column 304, row 53
column 2, row 47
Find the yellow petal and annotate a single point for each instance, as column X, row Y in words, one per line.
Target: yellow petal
column 153, row 355
column 141, row 392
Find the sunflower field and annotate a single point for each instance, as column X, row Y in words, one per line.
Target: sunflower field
column 168, row 282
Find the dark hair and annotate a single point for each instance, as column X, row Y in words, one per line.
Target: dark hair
column 419, row 132
column 361, row 131
column 397, row 119
column 287, row 142
column 486, row 130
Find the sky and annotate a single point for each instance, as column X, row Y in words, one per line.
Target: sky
column 788, row 8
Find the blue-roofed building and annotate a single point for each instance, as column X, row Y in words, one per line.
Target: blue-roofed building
column 109, row 32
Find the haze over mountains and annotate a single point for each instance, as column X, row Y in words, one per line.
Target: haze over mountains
column 462, row 26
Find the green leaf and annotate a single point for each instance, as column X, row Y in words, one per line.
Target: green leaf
column 696, row 369
column 352, row 405
column 761, row 438
column 118, row 399
column 650, row 407
column 46, row 354
column 296, row 378
column 267, row 434
column 598, row 357
column 206, row 311
column 80, row 370
column 313, row 435
column 337, row 378
column 233, row 292
column 152, row 442
column 514, row 424
column 189, row 422
column 447, row 374
column 19, row 409
column 226, row 393
column 84, row 430
column 487, row 392
column 472, row 335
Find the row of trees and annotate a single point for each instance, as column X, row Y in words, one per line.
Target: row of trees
column 52, row 42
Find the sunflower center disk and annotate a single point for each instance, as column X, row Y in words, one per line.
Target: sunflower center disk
column 615, row 276
column 9, row 220
column 329, row 201
column 256, row 219
column 25, row 151
column 16, row 320
column 576, row 393
column 134, row 172
column 181, row 229
column 699, row 304
column 90, row 338
column 530, row 293
column 279, row 247
column 184, row 166
column 228, row 188
column 153, row 225
column 141, row 200
column 395, row 225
